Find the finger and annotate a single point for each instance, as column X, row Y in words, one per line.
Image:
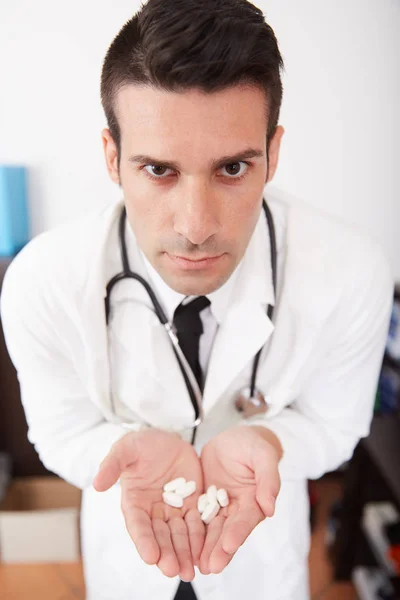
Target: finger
column 108, row 474
column 214, row 530
column 197, row 534
column 238, row 527
column 180, row 541
column 114, row 463
column 168, row 562
column 219, row 559
column 139, row 526
column 267, row 480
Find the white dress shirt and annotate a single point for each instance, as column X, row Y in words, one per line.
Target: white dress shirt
column 211, row 316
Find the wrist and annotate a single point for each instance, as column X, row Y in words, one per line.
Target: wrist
column 270, row 437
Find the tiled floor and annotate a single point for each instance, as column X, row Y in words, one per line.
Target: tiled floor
column 65, row 582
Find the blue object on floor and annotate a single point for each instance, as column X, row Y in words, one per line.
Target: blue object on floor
column 14, row 217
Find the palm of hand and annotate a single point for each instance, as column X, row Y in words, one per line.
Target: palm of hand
column 159, row 460
column 228, row 462
column 223, row 466
column 239, row 460
column 170, row 537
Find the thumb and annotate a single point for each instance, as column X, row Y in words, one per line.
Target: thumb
column 267, row 479
column 121, row 454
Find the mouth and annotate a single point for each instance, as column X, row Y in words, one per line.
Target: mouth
column 192, row 264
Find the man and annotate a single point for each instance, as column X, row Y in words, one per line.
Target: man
column 192, row 94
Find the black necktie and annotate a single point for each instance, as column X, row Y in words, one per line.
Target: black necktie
column 189, row 328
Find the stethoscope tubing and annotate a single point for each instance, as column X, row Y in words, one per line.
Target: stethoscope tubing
column 270, row 309
column 190, row 380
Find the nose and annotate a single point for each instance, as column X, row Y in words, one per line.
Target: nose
column 196, row 213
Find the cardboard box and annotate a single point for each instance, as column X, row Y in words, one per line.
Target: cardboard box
column 39, row 521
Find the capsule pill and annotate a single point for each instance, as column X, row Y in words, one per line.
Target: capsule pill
column 202, row 503
column 173, row 499
column 222, row 497
column 171, row 486
column 187, row 489
column 211, row 511
column 212, row 493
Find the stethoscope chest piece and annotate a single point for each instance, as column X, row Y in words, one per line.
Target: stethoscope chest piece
column 251, row 404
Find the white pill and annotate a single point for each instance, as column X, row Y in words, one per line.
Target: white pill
column 222, row 497
column 187, row 489
column 202, row 503
column 211, row 511
column 173, row 499
column 171, row 486
column 212, row 493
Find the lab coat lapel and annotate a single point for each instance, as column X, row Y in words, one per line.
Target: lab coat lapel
column 151, row 346
column 162, row 366
column 152, row 353
column 307, row 291
column 244, row 331
column 246, row 327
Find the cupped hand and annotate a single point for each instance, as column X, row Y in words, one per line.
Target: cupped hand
column 246, row 465
column 171, row 538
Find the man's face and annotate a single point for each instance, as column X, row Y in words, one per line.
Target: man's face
column 193, row 167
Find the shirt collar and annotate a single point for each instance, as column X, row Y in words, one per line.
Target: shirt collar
column 170, row 299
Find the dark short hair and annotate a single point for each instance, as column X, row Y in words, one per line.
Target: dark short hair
column 210, row 45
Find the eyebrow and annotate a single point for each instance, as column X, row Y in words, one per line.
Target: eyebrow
column 216, row 163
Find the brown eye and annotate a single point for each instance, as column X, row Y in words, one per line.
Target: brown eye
column 156, row 171
column 233, row 169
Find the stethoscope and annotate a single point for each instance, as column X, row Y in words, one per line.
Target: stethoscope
column 250, row 400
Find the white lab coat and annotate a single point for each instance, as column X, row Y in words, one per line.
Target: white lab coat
column 318, row 370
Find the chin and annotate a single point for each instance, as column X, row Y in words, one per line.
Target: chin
column 198, row 282
column 195, row 285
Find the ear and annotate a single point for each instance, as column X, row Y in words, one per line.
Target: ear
column 111, row 155
column 273, row 152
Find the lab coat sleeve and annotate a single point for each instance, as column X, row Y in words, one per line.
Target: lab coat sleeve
column 68, row 431
column 320, row 430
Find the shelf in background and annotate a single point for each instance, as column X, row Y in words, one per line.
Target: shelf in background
column 376, row 516
column 368, row 581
